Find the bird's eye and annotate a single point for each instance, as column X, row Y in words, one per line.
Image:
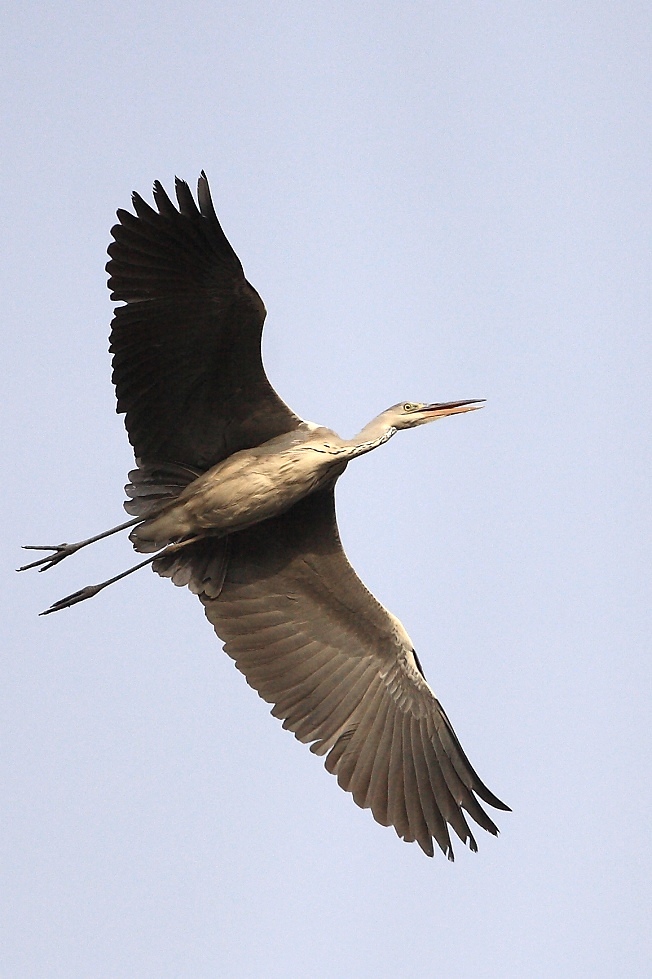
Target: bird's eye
column 408, row 406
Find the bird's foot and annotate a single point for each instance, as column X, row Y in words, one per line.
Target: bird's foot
column 60, row 552
column 77, row 596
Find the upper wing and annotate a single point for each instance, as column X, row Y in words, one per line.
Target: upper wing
column 312, row 640
column 187, row 365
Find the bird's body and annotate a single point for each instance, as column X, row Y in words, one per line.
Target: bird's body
column 256, row 484
column 233, row 496
column 246, row 488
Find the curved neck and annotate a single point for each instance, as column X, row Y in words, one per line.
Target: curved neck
column 376, row 433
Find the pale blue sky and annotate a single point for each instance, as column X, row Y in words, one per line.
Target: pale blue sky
column 436, row 201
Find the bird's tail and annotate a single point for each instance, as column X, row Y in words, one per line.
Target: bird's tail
column 200, row 565
column 154, row 485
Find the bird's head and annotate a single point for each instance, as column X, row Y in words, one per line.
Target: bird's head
column 409, row 414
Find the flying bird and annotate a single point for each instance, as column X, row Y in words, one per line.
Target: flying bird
column 233, row 496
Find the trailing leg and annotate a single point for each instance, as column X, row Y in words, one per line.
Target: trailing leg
column 91, row 590
column 65, row 550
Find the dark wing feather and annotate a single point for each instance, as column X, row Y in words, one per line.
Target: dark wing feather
column 187, row 365
column 312, row 640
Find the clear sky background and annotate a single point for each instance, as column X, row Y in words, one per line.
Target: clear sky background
column 436, row 200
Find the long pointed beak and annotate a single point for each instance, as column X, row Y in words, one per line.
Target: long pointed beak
column 452, row 408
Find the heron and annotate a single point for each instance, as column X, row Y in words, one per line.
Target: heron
column 233, row 497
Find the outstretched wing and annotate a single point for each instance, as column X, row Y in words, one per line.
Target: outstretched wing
column 339, row 669
column 187, row 365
